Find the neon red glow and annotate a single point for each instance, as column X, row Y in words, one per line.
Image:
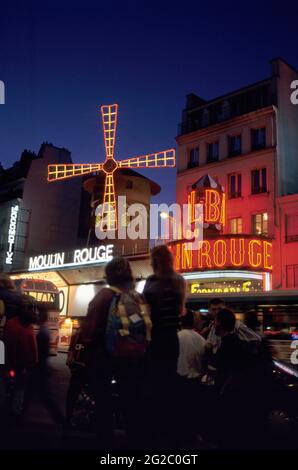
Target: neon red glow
column 223, row 253
column 214, row 206
column 108, row 216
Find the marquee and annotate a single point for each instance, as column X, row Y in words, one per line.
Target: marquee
column 224, row 252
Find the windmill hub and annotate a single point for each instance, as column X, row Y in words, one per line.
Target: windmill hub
column 109, row 165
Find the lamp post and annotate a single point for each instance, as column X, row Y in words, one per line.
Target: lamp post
column 165, row 215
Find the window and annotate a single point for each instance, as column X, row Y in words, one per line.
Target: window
column 129, row 184
column 259, row 181
column 194, row 155
column 234, row 145
column 205, row 118
column 292, row 228
column 234, row 186
column 212, row 152
column 236, row 225
column 226, row 110
column 258, row 138
column 260, row 224
column 292, row 275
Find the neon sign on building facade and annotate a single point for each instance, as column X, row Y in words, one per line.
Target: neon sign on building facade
column 224, row 252
column 11, row 237
column 215, row 251
column 93, row 255
column 214, row 206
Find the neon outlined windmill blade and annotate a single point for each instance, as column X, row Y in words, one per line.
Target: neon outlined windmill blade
column 68, row 170
column 164, row 159
column 107, row 213
column 109, row 115
column 107, row 217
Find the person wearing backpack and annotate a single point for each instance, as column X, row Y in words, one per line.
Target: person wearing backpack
column 115, row 334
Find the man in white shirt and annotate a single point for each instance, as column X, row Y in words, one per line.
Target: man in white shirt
column 191, row 349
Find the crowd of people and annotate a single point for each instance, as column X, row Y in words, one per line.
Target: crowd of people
column 180, row 376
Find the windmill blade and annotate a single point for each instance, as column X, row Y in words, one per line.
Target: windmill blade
column 65, row 171
column 106, row 218
column 164, row 159
column 109, row 115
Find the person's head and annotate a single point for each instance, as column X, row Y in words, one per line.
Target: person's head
column 215, row 305
column 187, row 320
column 6, row 282
column 28, row 312
column 162, row 260
column 43, row 315
column 119, row 273
column 251, row 319
column 225, row 321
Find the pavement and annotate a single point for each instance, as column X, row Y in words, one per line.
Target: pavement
column 36, row 430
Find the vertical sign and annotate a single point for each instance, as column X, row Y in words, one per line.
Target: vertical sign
column 11, row 236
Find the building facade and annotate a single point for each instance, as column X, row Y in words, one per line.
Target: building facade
column 247, row 141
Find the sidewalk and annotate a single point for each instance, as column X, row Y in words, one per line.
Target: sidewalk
column 37, row 431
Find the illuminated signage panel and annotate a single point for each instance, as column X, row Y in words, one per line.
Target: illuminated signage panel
column 95, row 255
column 224, row 253
column 11, row 236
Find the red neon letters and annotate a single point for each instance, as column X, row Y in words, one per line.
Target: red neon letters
column 225, row 252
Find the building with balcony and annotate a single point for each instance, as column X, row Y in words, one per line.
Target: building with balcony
column 247, row 141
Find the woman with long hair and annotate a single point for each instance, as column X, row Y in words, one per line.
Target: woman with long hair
column 164, row 291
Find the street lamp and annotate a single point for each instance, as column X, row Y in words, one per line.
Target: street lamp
column 165, row 215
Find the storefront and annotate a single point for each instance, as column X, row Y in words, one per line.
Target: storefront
column 79, row 274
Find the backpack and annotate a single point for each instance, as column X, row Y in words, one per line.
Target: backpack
column 128, row 329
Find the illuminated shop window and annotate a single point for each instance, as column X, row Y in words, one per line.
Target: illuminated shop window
column 258, row 138
column 235, row 146
column 292, row 228
column 292, row 275
column 236, row 225
column 260, row 224
column 194, row 156
column 259, row 181
column 212, row 152
column 234, row 186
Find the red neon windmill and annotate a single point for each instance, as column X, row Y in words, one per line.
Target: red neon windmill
column 164, row 159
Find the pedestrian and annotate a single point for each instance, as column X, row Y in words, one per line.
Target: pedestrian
column 164, row 291
column 233, row 379
column 39, row 382
column 10, row 300
column 21, row 351
column 251, row 320
column 251, row 338
column 191, row 349
column 115, row 335
column 190, row 370
column 215, row 305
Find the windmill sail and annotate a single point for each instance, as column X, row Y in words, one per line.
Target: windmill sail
column 164, row 159
column 65, row 171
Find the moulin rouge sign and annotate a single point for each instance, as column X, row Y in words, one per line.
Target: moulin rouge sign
column 218, row 251
column 225, row 252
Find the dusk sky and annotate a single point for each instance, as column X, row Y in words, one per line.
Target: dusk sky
column 60, row 60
